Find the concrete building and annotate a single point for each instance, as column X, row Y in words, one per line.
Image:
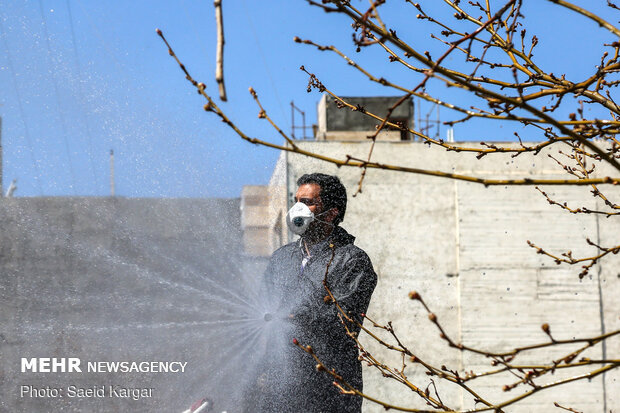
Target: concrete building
column 463, row 247
column 346, row 125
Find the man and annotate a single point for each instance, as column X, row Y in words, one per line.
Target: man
column 294, row 280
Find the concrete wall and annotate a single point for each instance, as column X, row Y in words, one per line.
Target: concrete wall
column 255, row 220
column 112, row 279
column 278, row 203
column 463, row 248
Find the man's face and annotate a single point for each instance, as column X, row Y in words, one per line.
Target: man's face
column 309, row 194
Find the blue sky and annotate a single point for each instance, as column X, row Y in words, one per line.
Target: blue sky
column 81, row 77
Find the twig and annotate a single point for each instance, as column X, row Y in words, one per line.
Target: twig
column 492, row 97
column 566, row 408
column 570, row 260
column 219, row 61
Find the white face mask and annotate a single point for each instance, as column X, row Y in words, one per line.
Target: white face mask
column 299, row 218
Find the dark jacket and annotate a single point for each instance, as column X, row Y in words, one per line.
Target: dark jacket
column 298, row 293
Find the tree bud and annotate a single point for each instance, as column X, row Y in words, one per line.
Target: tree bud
column 414, row 295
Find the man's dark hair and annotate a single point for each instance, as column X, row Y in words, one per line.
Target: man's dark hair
column 333, row 194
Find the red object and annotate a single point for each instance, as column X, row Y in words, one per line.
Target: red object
column 196, row 405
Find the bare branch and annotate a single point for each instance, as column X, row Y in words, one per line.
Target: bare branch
column 219, row 63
